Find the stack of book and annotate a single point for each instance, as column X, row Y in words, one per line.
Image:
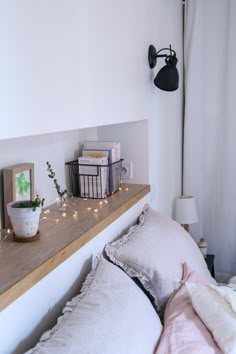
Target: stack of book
column 111, row 149
column 99, row 168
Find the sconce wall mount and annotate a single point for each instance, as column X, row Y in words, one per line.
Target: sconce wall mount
column 167, row 78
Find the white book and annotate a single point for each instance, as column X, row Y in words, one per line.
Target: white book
column 97, row 153
column 88, row 160
column 113, row 146
column 93, row 176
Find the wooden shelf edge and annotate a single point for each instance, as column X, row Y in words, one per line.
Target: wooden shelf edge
column 19, row 288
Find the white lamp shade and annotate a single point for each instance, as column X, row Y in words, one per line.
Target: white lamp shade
column 185, row 210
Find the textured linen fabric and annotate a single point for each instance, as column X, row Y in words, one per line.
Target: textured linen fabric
column 111, row 315
column 184, row 332
column 216, row 306
column 153, row 251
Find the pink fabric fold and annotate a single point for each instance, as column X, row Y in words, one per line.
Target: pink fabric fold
column 184, row 332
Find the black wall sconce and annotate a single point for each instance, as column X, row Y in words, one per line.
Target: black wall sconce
column 167, row 78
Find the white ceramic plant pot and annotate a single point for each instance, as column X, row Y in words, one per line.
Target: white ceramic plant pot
column 24, row 221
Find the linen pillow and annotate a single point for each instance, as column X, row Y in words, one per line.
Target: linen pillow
column 184, row 332
column 216, row 306
column 154, row 250
column 111, row 315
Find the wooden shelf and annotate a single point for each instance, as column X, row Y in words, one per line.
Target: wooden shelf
column 22, row 265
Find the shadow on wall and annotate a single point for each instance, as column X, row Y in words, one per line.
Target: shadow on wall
column 49, row 320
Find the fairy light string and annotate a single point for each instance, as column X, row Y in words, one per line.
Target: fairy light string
column 71, row 208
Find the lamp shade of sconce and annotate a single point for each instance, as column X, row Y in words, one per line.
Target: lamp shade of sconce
column 185, row 212
column 167, row 78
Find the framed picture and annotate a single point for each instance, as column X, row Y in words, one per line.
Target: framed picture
column 18, row 184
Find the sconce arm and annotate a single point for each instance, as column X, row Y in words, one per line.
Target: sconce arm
column 172, row 52
column 153, row 55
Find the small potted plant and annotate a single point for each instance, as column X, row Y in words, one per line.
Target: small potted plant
column 24, row 216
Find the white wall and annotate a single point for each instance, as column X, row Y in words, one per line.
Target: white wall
column 134, row 146
column 52, row 81
column 69, row 64
column 157, row 155
column 75, row 64
column 166, row 117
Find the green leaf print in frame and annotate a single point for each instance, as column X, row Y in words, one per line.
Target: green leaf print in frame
column 22, row 185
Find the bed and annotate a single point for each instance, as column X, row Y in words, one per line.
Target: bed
column 149, row 292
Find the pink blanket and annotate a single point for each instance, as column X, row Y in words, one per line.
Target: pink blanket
column 184, row 332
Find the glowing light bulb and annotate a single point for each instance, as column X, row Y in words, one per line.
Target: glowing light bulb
column 8, row 231
column 95, row 210
column 100, row 203
column 126, row 189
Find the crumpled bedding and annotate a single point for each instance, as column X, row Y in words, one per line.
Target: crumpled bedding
column 216, row 306
column 184, row 332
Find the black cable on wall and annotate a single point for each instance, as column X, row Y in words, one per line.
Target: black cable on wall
column 183, row 102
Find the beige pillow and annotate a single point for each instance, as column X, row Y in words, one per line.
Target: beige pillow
column 154, row 250
column 111, row 315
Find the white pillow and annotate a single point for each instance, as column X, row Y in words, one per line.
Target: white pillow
column 154, row 250
column 111, row 315
column 216, row 307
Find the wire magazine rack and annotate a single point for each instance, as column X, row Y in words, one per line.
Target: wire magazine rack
column 94, row 181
